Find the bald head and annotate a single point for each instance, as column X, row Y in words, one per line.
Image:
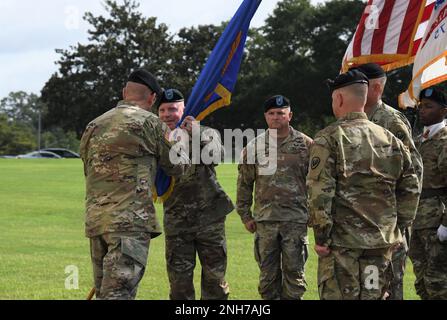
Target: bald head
column 140, row 94
column 349, row 99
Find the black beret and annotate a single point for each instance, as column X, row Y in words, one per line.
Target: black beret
column 276, row 102
column 347, row 79
column 434, row 94
column 171, row 95
column 147, row 79
column 371, row 70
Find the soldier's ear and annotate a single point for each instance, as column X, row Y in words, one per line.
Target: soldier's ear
column 152, row 99
column 338, row 99
column 377, row 88
column 124, row 93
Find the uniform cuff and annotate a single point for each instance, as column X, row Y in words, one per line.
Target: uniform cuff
column 246, row 218
column 322, row 239
column 444, row 221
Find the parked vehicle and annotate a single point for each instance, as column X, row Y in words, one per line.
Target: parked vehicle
column 64, row 153
column 39, row 155
column 47, row 153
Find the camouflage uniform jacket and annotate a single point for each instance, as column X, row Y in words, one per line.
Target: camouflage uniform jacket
column 281, row 196
column 396, row 122
column 197, row 200
column 121, row 151
column 362, row 185
column 432, row 209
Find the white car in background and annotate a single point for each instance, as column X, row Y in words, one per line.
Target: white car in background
column 64, row 153
column 39, row 155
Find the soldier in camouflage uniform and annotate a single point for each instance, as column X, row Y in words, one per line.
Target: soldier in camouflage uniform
column 428, row 249
column 121, row 151
column 363, row 191
column 194, row 220
column 280, row 213
column 395, row 122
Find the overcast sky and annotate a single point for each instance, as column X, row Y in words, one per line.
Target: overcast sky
column 31, row 30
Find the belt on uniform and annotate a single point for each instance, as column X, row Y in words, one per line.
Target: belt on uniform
column 430, row 193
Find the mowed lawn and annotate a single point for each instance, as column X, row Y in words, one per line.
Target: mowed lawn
column 42, row 232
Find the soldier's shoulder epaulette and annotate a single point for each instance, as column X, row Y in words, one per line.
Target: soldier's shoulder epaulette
column 329, row 130
column 104, row 117
column 443, row 135
column 324, row 136
column 395, row 115
column 390, row 109
column 305, row 138
column 151, row 118
column 378, row 129
column 92, row 124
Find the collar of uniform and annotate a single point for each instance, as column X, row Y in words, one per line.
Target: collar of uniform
column 434, row 129
column 355, row 116
column 291, row 135
column 125, row 103
column 374, row 110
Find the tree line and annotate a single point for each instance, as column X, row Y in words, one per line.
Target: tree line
column 299, row 46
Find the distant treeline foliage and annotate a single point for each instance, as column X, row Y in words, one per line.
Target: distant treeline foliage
column 297, row 49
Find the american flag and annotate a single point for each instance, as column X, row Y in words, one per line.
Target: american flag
column 389, row 33
column 430, row 64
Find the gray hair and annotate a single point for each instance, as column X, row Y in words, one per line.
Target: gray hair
column 357, row 92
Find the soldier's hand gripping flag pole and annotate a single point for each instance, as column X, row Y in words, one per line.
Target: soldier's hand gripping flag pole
column 217, row 80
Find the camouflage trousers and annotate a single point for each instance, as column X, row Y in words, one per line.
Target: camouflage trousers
column 281, row 253
column 119, row 261
column 429, row 257
column 354, row 274
column 210, row 245
column 399, row 261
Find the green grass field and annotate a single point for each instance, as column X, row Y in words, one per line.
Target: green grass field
column 42, row 232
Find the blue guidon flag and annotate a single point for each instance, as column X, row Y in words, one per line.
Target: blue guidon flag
column 216, row 83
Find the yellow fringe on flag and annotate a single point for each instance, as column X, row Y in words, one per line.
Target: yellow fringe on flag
column 225, row 94
column 166, row 195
